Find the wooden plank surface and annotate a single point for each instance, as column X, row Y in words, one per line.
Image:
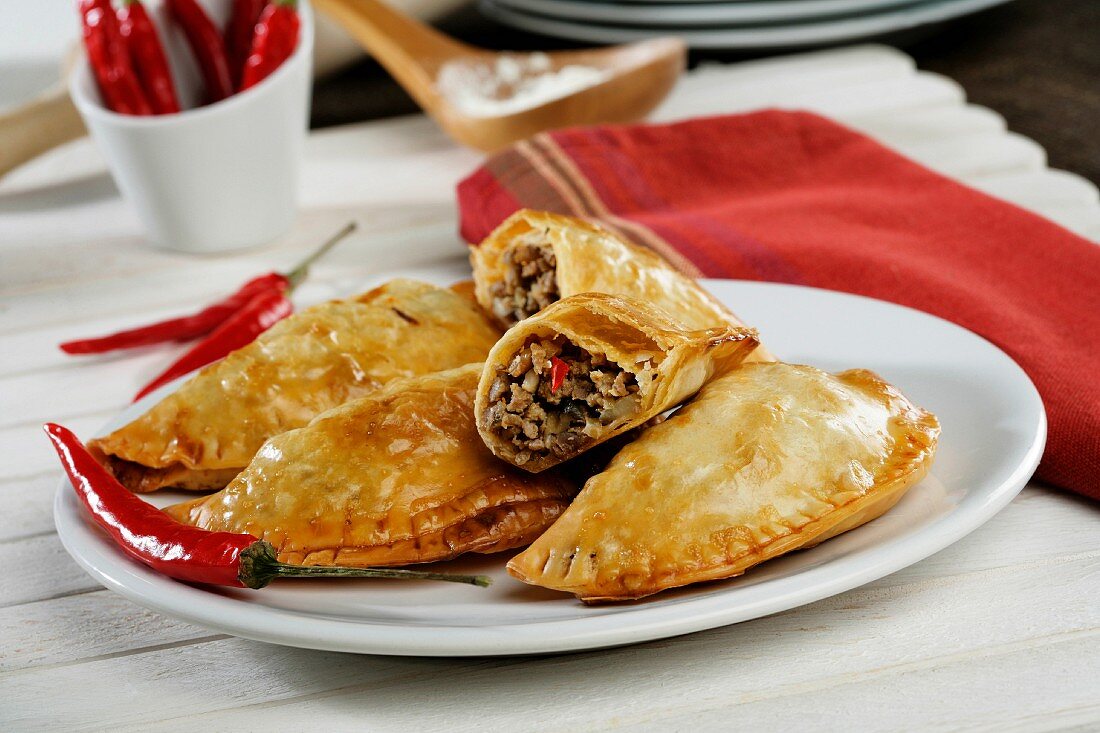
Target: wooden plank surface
column 1001, row 631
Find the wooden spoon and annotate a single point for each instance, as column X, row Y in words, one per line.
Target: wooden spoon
column 48, row 120
column 636, row 78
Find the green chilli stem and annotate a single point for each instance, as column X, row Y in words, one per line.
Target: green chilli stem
column 259, row 566
column 300, row 270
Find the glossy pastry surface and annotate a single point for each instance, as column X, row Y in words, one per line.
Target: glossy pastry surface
column 398, row 477
column 766, row 459
column 204, row 433
column 535, row 258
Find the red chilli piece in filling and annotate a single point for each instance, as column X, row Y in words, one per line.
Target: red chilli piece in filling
column 558, row 370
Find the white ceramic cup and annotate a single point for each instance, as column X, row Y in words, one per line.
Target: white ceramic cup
column 216, row 178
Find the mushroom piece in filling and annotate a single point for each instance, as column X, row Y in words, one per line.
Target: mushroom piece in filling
column 536, row 419
column 530, row 279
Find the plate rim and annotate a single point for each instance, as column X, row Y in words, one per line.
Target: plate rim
column 745, row 37
column 703, row 12
column 637, row 624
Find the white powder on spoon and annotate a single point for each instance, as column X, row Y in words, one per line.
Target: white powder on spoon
column 512, row 83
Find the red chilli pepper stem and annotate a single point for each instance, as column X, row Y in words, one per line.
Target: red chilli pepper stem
column 558, row 370
column 301, row 270
column 188, row 553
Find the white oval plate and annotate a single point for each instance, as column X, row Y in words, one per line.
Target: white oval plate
column 698, row 12
column 993, row 434
column 782, row 35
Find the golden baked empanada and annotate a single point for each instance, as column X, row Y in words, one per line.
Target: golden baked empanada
column 588, row 368
column 204, row 433
column 535, row 258
column 397, row 477
column 766, row 459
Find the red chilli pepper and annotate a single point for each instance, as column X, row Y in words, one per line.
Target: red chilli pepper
column 275, row 39
column 238, row 35
column 187, row 553
column 110, row 61
column 206, row 45
column 187, row 328
column 558, row 370
column 147, row 57
column 241, row 329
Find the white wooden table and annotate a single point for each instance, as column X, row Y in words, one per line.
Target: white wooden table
column 999, row 632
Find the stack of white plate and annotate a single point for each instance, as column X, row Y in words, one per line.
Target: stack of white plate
column 727, row 24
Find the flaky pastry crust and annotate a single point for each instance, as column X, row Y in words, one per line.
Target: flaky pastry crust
column 591, row 259
column 766, row 459
column 203, row 434
column 397, row 477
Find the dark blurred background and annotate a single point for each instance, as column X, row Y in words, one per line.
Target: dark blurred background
column 1036, row 62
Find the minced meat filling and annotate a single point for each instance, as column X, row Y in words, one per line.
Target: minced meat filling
column 530, row 280
column 538, row 420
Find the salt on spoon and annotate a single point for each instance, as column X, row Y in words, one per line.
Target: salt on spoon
column 511, row 83
column 512, row 96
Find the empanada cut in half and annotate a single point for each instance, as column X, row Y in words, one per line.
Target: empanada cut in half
column 766, row 459
column 535, row 258
column 397, row 477
column 203, row 434
column 591, row 367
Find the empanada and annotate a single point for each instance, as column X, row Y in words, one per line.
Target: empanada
column 766, row 459
column 204, row 433
column 535, row 258
column 588, row 368
column 397, row 477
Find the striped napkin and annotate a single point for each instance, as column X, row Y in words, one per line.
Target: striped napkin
column 795, row 198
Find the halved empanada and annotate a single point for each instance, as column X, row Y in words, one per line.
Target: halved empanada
column 398, row 477
column 204, row 433
column 535, row 258
column 588, row 368
column 766, row 459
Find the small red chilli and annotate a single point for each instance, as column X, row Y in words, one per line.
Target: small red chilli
column 184, row 328
column 207, row 47
column 147, row 57
column 241, row 329
column 195, row 325
column 110, row 61
column 259, row 314
column 558, row 370
column 188, row 553
column 238, row 35
column 274, row 41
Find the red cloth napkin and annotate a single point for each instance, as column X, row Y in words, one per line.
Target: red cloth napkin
column 792, row 197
